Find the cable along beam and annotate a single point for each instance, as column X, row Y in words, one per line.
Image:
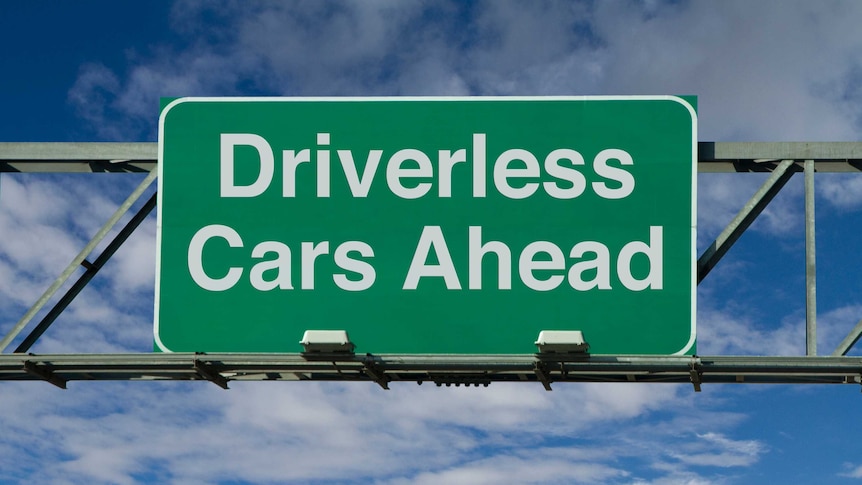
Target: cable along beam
column 458, row 370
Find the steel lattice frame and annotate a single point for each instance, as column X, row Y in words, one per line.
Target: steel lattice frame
column 781, row 160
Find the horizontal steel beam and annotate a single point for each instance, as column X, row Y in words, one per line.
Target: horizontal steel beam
column 763, row 156
column 438, row 369
column 713, row 157
column 78, row 157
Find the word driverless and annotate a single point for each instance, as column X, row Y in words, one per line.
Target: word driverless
column 542, row 265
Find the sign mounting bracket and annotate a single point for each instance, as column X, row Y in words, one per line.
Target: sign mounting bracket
column 375, row 372
column 208, row 372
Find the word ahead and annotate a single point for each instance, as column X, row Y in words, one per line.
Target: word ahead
column 424, row 225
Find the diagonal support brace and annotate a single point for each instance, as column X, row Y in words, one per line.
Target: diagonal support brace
column 76, row 262
column 208, row 372
column 44, row 373
column 89, row 274
column 541, row 370
column 696, row 376
column 849, row 341
column 746, row 216
column 375, row 372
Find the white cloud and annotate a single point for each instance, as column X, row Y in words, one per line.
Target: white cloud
column 720, row 197
column 737, row 58
column 132, row 268
column 732, row 332
column 714, row 449
column 534, row 466
column 834, row 325
column 841, row 190
column 197, row 433
column 92, row 95
column 682, row 478
column 755, row 81
column 736, row 331
column 853, row 471
column 33, row 211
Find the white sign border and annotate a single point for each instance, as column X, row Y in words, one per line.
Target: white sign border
column 234, row 99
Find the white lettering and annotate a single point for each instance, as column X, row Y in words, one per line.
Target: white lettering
column 432, row 238
column 359, row 187
column 601, row 264
column 281, row 264
column 410, row 172
column 395, row 172
column 290, row 160
column 229, row 141
column 447, row 160
column 653, row 251
column 527, row 264
column 479, row 165
column 195, row 258
column 502, row 173
column 345, row 262
column 625, row 179
column 323, row 166
column 310, row 252
column 560, row 172
column 477, row 252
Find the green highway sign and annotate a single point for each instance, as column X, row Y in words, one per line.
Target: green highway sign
column 427, row 225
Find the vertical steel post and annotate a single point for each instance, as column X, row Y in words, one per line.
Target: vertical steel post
column 810, row 264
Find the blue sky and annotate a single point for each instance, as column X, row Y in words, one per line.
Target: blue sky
column 765, row 71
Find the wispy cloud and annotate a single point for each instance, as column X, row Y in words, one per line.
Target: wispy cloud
column 93, row 96
column 714, row 449
column 735, row 331
column 524, row 466
column 732, row 332
column 853, row 471
column 720, row 197
column 842, row 191
column 750, row 86
column 196, row 433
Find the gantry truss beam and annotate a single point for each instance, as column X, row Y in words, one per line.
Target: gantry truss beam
column 77, row 157
column 435, row 369
column 781, row 159
column 713, row 157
